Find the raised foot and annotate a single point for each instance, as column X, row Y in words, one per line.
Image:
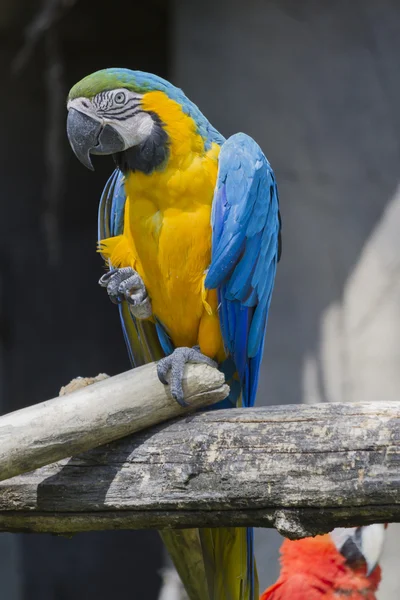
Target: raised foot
column 126, row 283
column 175, row 365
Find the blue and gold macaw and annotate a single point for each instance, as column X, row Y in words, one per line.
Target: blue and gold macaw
column 189, row 226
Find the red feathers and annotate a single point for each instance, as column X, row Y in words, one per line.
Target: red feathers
column 313, row 569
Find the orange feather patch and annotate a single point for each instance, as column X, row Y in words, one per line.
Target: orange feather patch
column 313, row 569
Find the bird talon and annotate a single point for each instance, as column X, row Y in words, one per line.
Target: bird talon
column 126, row 284
column 161, row 377
column 104, row 279
column 174, row 364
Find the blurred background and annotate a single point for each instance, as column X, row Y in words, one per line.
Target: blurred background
column 316, row 83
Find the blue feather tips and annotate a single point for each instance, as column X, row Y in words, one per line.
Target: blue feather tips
column 245, row 232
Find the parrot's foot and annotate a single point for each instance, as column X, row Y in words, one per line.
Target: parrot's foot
column 175, row 364
column 127, row 284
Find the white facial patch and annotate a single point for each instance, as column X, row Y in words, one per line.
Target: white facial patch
column 120, row 108
column 373, row 537
column 134, row 130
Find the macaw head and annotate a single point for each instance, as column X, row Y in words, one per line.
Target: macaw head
column 342, row 564
column 134, row 116
column 106, row 115
column 360, row 545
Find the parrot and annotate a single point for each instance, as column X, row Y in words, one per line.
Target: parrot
column 189, row 228
column 342, row 565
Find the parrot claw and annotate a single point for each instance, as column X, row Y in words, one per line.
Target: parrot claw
column 126, row 284
column 175, row 365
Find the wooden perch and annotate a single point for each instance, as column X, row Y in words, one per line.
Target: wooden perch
column 301, row 469
column 97, row 414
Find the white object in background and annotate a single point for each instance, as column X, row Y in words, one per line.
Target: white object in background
column 172, row 588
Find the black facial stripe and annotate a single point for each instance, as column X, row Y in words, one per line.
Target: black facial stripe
column 135, row 112
column 106, row 106
column 123, row 110
column 127, row 104
column 104, row 99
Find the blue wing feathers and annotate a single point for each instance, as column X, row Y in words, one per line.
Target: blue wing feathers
column 165, row 340
column 104, row 208
column 245, row 226
column 126, row 337
column 118, row 205
column 239, row 338
column 242, row 276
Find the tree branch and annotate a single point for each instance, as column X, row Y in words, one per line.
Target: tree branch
column 98, row 414
column 301, row 469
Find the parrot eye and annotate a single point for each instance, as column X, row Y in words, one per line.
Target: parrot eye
column 119, row 98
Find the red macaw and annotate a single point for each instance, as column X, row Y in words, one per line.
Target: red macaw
column 342, row 565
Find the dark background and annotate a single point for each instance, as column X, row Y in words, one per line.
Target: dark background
column 56, row 322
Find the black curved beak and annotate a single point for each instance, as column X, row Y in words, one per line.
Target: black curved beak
column 352, row 549
column 89, row 136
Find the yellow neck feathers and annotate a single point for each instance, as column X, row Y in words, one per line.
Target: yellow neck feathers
column 181, row 129
column 167, row 231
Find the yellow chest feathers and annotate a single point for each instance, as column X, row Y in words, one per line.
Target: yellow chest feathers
column 167, row 231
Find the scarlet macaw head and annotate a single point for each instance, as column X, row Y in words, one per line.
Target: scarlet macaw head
column 340, row 565
column 360, row 544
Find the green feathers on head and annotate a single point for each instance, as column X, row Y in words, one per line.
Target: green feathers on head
column 110, row 79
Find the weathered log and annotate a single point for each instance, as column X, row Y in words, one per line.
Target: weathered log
column 97, row 414
column 301, row 469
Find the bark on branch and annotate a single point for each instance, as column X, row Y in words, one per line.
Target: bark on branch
column 301, row 469
column 97, row 414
